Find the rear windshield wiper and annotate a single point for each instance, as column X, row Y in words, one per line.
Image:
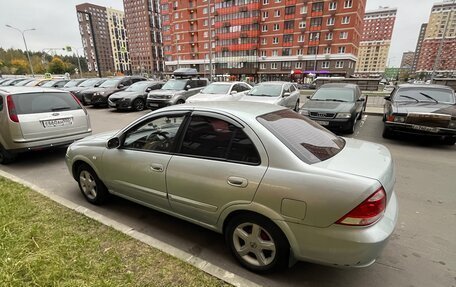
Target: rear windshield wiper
column 429, row 97
column 335, row 100
column 408, row 97
column 60, row 109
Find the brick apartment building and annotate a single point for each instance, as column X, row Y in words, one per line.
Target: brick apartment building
column 376, row 41
column 407, row 60
column 143, row 24
column 103, row 38
column 263, row 39
column 440, row 34
column 419, row 45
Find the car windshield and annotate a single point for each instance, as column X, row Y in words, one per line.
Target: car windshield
column 436, row 95
column 334, row 94
column 110, row 83
column 89, row 83
column 175, row 84
column 72, row 83
column 266, row 90
column 138, row 87
column 49, row 84
column 217, row 89
column 307, row 140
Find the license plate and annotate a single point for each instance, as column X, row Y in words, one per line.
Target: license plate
column 424, row 128
column 57, row 123
column 323, row 123
column 153, row 105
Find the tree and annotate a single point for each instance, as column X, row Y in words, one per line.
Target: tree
column 56, row 66
column 20, row 66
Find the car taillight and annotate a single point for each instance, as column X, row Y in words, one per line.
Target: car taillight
column 12, row 109
column 368, row 212
column 79, row 103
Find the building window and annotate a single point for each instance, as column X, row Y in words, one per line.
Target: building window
column 276, row 27
column 262, row 66
column 205, row 34
column 289, row 25
column 327, row 50
column 264, row 41
column 333, row 6
column 317, row 7
column 263, row 53
column 275, row 53
column 343, row 35
column 298, row 65
column 339, row 64
column 277, row 13
column 350, row 65
column 290, row 10
column 330, row 22
column 273, row 65
column 325, row 64
column 286, row 65
column 314, row 36
column 312, row 51
column 205, row 22
column 341, row 50
column 346, row 20
column 300, row 38
column 299, row 52
column 303, row 9
column 286, row 52
column 329, row 36
column 275, row 40
column 314, row 22
column 265, row 14
column 348, row 4
column 264, row 28
column 206, row 45
column 265, row 2
column 302, row 24
column 205, row 10
column 277, row 1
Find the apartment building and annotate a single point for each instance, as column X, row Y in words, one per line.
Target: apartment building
column 104, row 38
column 263, row 39
column 419, row 45
column 407, row 60
column 439, row 44
column 376, row 41
column 144, row 24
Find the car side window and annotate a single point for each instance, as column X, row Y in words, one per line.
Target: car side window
column 237, row 88
column 134, row 80
column 126, row 82
column 292, row 88
column 193, row 84
column 245, row 87
column 157, row 134
column 286, row 89
column 215, row 138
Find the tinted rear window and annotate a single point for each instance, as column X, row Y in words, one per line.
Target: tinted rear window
column 306, row 139
column 35, row 103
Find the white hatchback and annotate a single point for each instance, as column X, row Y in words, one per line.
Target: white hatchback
column 37, row 118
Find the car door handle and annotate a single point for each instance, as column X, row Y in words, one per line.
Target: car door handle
column 237, row 181
column 156, row 167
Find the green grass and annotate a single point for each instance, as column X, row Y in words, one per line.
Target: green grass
column 45, row 244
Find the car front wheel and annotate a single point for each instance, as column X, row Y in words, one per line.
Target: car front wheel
column 91, row 186
column 5, row 156
column 138, row 105
column 296, row 108
column 257, row 243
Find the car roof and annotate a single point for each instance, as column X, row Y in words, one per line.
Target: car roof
column 421, row 86
column 339, row 85
column 241, row 109
column 275, row 83
column 24, row 90
column 226, row 83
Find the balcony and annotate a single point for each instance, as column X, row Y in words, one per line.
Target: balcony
column 288, row 31
column 236, row 9
column 315, row 28
column 290, row 2
column 290, row 16
column 287, row 44
column 316, row 14
column 314, row 42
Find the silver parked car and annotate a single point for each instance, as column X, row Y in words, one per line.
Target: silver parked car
column 277, row 185
column 36, row 118
column 279, row 93
column 221, row 91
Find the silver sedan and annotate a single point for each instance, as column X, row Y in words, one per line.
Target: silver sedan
column 279, row 93
column 278, row 186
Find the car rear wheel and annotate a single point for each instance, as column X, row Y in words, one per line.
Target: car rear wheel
column 91, row 186
column 257, row 243
column 180, row 102
column 138, row 105
column 6, row 156
column 296, row 108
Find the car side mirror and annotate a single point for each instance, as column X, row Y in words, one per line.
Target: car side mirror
column 387, row 98
column 309, row 97
column 233, row 92
column 187, row 87
column 148, row 90
column 361, row 100
column 121, row 86
column 113, row 143
column 286, row 94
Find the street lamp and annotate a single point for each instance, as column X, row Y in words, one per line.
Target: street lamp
column 25, row 43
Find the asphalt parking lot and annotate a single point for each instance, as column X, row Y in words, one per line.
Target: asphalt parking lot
column 421, row 252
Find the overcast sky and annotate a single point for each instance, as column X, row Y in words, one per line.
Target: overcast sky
column 56, row 23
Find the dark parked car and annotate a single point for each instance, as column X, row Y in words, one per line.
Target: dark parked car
column 134, row 97
column 55, row 84
column 336, row 106
column 421, row 109
column 12, row 82
column 99, row 96
column 73, row 83
column 23, row 82
column 87, row 84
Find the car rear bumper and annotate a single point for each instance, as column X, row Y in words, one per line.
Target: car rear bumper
column 345, row 246
column 155, row 103
column 26, row 145
column 420, row 130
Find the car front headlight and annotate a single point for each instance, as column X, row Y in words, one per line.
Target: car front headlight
column 453, row 124
column 304, row 112
column 343, row 116
column 399, row 119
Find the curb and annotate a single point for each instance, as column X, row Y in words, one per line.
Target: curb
column 199, row 263
column 373, row 113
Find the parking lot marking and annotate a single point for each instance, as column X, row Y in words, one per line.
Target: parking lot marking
column 361, row 124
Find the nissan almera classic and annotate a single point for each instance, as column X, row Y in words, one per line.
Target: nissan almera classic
column 278, row 186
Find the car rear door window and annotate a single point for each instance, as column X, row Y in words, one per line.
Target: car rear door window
column 34, row 103
column 156, row 134
column 210, row 137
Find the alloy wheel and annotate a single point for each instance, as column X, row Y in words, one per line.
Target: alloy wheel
column 88, row 184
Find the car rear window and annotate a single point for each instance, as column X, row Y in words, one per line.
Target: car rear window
column 307, row 140
column 35, row 103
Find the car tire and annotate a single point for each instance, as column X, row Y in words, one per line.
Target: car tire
column 360, row 116
column 449, row 140
column 138, row 105
column 352, row 127
column 296, row 108
column 180, row 102
column 91, row 186
column 257, row 243
column 6, row 157
column 387, row 133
